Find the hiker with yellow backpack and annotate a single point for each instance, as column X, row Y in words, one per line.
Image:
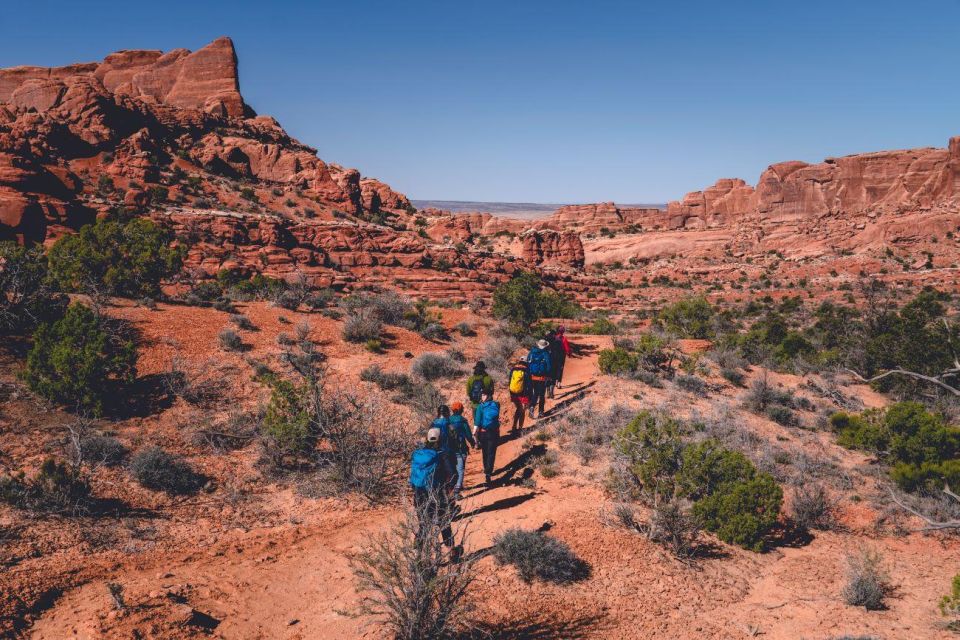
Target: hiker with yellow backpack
column 519, row 392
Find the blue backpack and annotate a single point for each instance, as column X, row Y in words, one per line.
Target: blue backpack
column 488, row 416
column 444, row 425
column 423, row 466
column 476, row 391
column 539, row 362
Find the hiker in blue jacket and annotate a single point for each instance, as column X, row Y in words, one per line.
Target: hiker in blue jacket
column 539, row 365
column 462, row 441
column 486, row 428
column 432, row 476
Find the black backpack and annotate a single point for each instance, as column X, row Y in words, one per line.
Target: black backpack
column 476, row 390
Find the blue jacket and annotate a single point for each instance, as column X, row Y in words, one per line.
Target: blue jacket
column 546, row 358
column 461, row 428
column 478, row 415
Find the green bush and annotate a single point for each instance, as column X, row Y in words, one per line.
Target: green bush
column 602, row 326
column 522, row 301
column 287, row 431
column 708, row 468
column 689, row 318
column 537, row 555
column 617, row 361
column 127, row 259
column 26, row 300
column 950, row 604
column 742, row 513
column 651, row 353
column 652, row 447
column 919, row 446
column 75, row 361
column 160, row 470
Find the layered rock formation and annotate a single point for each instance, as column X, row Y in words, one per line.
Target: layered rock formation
column 169, row 135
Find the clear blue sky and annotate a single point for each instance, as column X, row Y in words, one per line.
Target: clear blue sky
column 554, row 101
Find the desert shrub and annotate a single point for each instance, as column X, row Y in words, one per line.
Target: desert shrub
column 617, row 362
column 762, row 395
column 408, row 581
column 242, row 322
column 522, row 301
column 601, row 326
column 356, row 442
column 950, row 604
column 389, row 307
column 208, row 290
column 56, row 488
column 867, row 582
column 692, row 384
column 78, row 361
column 230, row 340
column 651, row 352
column 360, row 327
column 742, row 513
column 537, row 555
column 588, row 428
column 921, row 448
column 435, row 366
column 99, row 449
column 498, row 352
column 287, row 430
column 127, row 259
column 26, row 300
column 672, row 526
column 434, row 332
column 373, row 346
column 651, row 448
column 233, row 432
column 386, row 380
column 689, row 318
column 733, row 376
column 813, row 508
column 708, row 467
column 160, row 470
column 782, row 415
column 465, row 329
column 285, row 339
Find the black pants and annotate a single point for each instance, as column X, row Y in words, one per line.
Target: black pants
column 538, row 394
column 519, row 411
column 433, row 510
column 488, row 440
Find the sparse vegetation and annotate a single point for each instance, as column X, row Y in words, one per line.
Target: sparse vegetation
column 26, row 299
column 435, row 366
column 522, row 302
column 868, row 584
column 537, row 555
column 56, row 488
column 114, row 257
column 157, row 469
column 79, row 361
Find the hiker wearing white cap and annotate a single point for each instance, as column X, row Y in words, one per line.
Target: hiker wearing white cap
column 539, row 366
column 432, row 477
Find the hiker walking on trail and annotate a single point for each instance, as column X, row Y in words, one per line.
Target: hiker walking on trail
column 448, row 440
column 559, row 350
column 432, row 476
column 519, row 391
column 486, row 427
column 461, row 441
column 540, row 367
column 478, row 384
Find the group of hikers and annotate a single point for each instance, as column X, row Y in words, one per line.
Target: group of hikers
column 438, row 465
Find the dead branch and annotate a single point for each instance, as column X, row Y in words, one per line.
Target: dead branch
column 932, row 525
column 911, row 374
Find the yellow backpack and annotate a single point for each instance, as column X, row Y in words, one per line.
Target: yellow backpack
column 516, row 380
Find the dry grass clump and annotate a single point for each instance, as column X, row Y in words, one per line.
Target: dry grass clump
column 868, row 583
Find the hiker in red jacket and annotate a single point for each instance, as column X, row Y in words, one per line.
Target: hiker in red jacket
column 559, row 350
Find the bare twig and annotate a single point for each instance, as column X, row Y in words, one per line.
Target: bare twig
column 912, row 374
column 932, row 525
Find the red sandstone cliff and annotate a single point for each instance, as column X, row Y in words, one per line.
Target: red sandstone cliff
column 169, row 135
